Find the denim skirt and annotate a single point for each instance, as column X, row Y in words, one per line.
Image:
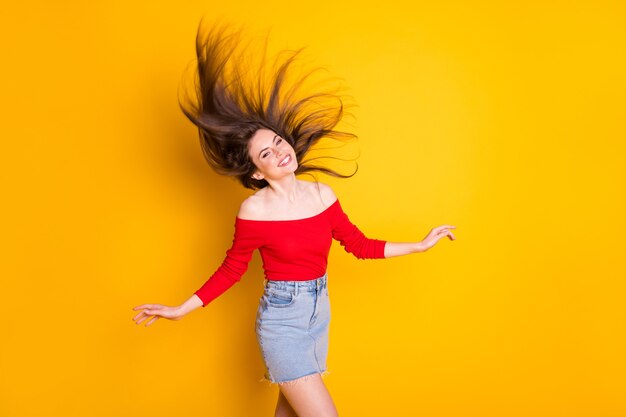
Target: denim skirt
column 292, row 328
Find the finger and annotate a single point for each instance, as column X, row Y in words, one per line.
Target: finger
column 143, row 306
column 142, row 314
column 444, row 229
column 141, row 319
column 155, row 318
column 451, row 236
column 144, row 318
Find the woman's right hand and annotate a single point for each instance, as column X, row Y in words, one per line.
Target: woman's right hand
column 158, row 311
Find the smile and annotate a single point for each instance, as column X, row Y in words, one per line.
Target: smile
column 285, row 161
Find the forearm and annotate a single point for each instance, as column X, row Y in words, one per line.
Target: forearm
column 191, row 304
column 402, row 248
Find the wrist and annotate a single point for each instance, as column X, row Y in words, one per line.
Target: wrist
column 181, row 311
column 184, row 309
column 191, row 304
column 419, row 247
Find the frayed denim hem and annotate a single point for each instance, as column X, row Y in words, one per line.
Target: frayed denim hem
column 294, row 381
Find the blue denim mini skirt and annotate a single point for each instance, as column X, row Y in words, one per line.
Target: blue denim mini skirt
column 292, row 328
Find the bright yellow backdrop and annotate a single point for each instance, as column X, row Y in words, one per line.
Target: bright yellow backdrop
column 507, row 121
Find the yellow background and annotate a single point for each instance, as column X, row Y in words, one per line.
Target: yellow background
column 505, row 120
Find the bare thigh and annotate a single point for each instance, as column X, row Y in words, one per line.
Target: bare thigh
column 309, row 397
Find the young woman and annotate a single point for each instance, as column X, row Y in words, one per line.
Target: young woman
column 262, row 137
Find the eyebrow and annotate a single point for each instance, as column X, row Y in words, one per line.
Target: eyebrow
column 264, row 149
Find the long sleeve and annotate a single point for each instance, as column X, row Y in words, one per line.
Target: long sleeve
column 352, row 239
column 233, row 267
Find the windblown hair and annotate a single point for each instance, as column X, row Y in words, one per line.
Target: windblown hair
column 230, row 107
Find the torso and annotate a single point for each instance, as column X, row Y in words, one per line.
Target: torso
column 313, row 198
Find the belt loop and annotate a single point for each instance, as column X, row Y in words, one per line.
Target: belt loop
column 296, row 289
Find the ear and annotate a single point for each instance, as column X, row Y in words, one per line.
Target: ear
column 257, row 176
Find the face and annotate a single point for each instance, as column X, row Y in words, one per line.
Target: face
column 272, row 155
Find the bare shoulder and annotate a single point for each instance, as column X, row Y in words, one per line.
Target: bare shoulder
column 326, row 193
column 252, row 207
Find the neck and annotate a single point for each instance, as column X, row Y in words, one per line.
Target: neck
column 285, row 188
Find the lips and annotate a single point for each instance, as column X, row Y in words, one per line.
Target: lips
column 285, row 161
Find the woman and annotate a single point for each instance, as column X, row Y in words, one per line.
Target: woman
column 261, row 137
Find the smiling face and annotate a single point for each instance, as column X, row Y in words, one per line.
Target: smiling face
column 273, row 156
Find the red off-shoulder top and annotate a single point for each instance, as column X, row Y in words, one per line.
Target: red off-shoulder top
column 294, row 250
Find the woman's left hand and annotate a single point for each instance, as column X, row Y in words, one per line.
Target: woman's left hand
column 435, row 234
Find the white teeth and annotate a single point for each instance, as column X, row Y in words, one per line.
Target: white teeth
column 285, row 161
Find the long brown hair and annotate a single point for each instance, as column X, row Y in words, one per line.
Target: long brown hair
column 229, row 108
